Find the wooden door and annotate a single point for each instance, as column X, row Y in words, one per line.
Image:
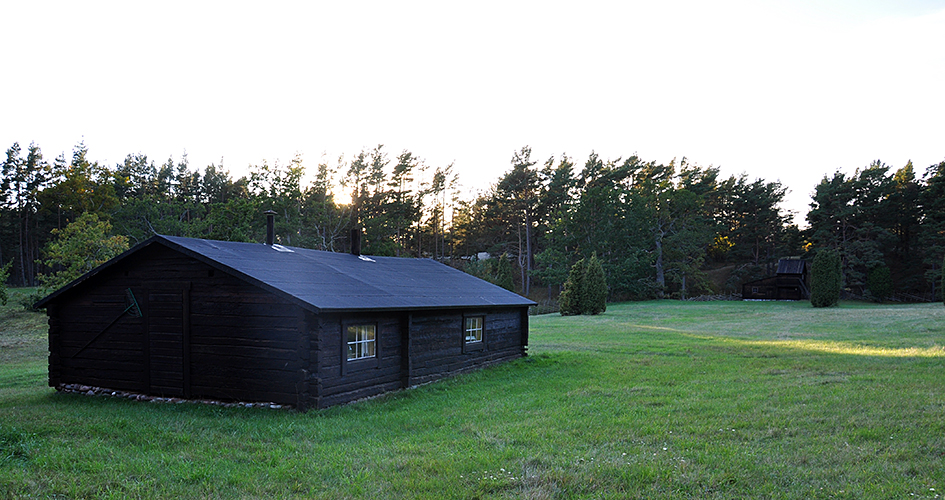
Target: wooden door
column 168, row 340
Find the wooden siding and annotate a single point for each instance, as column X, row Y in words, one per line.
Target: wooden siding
column 339, row 380
column 413, row 348
column 94, row 342
column 203, row 334
column 437, row 339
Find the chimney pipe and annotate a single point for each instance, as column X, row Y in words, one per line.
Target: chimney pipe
column 356, row 241
column 270, row 227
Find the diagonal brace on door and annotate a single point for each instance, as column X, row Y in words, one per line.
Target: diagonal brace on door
column 131, row 306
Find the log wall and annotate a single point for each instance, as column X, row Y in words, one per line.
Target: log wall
column 202, row 333
column 437, row 340
column 413, row 348
column 339, row 380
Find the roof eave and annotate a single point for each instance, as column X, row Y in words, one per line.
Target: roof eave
column 424, row 308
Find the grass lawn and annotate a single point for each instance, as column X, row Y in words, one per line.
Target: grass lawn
column 650, row 400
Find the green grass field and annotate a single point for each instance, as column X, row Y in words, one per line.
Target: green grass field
column 650, row 400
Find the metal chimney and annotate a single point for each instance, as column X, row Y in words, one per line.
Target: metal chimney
column 270, row 227
column 356, row 241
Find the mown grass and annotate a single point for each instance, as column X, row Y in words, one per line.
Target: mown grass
column 650, row 400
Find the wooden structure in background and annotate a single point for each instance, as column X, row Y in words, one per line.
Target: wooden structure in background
column 191, row 318
column 790, row 283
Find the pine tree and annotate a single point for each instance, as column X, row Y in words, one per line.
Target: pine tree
column 518, row 193
column 570, row 301
column 825, row 279
column 594, row 288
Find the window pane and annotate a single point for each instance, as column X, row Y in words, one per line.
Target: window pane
column 474, row 329
column 361, row 341
column 352, row 334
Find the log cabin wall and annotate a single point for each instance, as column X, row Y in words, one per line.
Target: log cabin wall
column 202, row 333
column 433, row 349
column 94, row 341
column 437, row 342
column 339, row 380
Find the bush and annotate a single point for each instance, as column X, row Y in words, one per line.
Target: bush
column 28, row 300
column 585, row 291
column 595, row 288
column 879, row 282
column 570, row 299
column 825, row 279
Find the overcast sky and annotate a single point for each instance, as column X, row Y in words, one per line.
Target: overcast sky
column 780, row 90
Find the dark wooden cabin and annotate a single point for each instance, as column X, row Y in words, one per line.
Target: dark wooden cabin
column 191, row 318
column 790, row 283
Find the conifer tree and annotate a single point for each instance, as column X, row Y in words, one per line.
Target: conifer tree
column 570, row 301
column 825, row 279
column 594, row 288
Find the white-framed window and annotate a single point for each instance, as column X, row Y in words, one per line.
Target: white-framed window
column 473, row 328
column 362, row 341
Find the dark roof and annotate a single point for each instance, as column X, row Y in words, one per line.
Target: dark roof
column 791, row 266
column 330, row 281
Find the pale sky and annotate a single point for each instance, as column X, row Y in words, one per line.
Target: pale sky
column 781, row 90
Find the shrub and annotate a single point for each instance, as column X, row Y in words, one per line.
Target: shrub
column 595, row 288
column 570, row 299
column 585, row 291
column 825, row 279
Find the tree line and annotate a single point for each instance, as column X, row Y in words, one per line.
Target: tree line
column 656, row 229
column 888, row 227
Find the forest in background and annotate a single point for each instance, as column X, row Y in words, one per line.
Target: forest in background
column 657, row 229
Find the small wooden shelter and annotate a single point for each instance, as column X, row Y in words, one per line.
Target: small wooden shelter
column 790, row 283
column 192, row 318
